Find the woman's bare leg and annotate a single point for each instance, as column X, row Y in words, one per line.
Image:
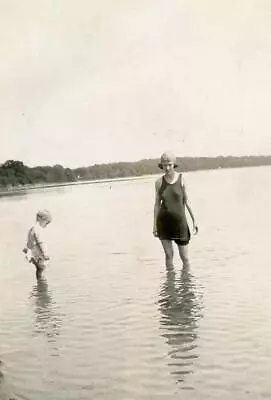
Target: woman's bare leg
column 183, row 251
column 168, row 249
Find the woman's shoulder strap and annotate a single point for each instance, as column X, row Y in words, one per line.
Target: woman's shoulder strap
column 163, row 185
column 180, row 178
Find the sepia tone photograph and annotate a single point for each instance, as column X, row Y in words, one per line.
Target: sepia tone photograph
column 135, row 162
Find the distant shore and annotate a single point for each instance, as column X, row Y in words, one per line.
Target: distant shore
column 25, row 188
column 17, row 189
column 16, row 177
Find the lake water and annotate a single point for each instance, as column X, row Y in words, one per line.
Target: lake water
column 108, row 322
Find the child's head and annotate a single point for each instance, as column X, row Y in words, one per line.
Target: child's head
column 44, row 218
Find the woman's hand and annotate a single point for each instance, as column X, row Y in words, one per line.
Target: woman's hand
column 195, row 228
column 155, row 233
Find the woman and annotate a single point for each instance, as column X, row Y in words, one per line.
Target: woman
column 171, row 200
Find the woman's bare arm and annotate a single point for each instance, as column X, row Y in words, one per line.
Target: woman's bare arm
column 157, row 203
column 189, row 209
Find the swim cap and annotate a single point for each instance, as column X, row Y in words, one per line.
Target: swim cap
column 44, row 214
column 167, row 157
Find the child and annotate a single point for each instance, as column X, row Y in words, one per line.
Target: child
column 35, row 250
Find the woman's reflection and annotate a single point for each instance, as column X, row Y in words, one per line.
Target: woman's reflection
column 180, row 307
column 47, row 321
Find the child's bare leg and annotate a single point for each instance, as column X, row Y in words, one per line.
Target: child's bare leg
column 183, row 251
column 39, row 270
column 39, row 267
column 168, row 249
column 38, row 273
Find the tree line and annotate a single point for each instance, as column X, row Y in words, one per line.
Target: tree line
column 15, row 173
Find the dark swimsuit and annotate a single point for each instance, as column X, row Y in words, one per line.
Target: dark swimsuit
column 171, row 219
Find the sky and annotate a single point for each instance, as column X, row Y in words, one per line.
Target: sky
column 87, row 81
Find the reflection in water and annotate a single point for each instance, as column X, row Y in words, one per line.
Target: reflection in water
column 5, row 389
column 47, row 320
column 180, row 307
column 2, row 388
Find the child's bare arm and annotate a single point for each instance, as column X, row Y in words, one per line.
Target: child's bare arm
column 27, row 244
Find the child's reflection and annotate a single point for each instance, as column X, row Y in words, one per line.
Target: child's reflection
column 180, row 309
column 47, row 320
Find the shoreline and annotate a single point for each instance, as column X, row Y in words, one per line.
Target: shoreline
column 25, row 188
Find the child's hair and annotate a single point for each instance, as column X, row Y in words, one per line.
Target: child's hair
column 45, row 215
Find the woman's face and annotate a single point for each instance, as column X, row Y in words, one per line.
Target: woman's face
column 168, row 167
